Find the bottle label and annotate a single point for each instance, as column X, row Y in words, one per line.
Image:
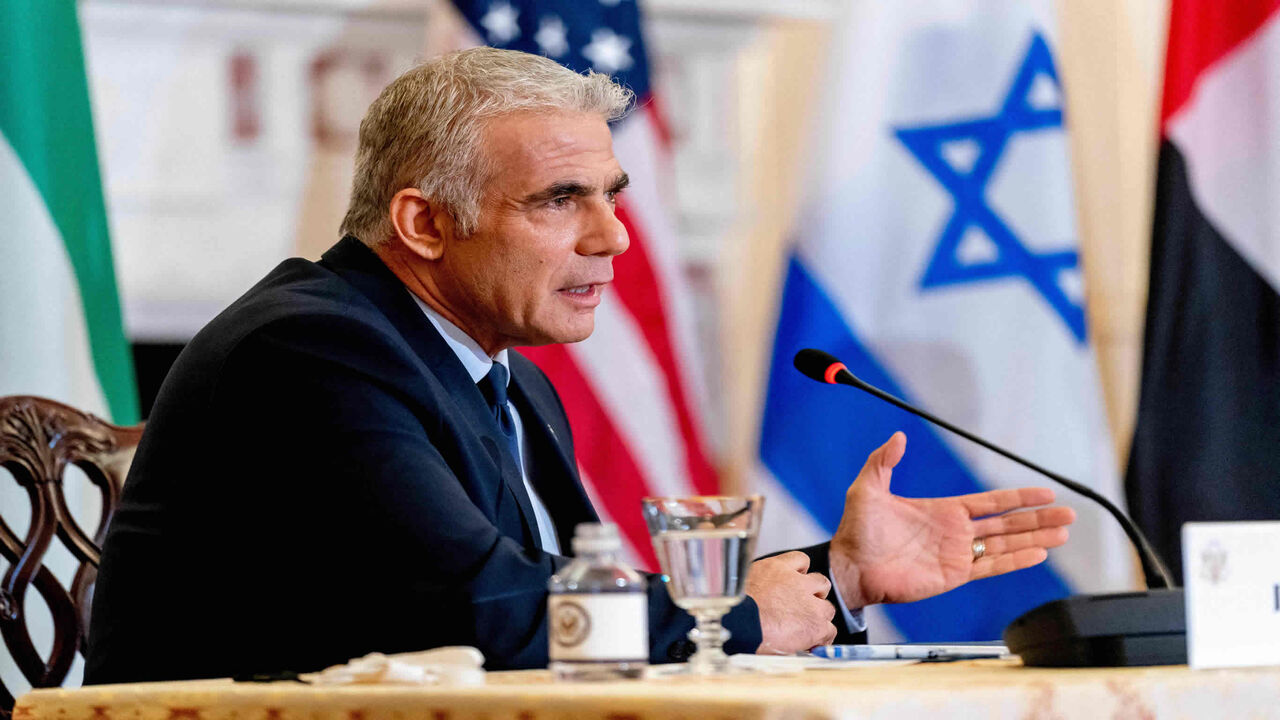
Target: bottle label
column 598, row 627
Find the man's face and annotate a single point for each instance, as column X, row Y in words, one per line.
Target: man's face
column 534, row 270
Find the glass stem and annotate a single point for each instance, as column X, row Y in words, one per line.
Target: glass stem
column 709, row 636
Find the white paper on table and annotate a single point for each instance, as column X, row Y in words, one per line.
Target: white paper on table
column 459, row 666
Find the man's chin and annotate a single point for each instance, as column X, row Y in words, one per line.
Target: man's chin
column 564, row 336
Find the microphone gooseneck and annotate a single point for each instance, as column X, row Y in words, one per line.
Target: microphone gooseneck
column 825, row 368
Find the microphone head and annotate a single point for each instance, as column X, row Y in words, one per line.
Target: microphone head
column 819, row 365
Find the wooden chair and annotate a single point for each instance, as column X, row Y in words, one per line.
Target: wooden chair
column 39, row 438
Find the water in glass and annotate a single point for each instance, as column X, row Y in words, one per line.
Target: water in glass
column 705, row 546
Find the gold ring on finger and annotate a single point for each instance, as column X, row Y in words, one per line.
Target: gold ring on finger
column 979, row 548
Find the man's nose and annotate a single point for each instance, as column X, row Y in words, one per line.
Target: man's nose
column 606, row 235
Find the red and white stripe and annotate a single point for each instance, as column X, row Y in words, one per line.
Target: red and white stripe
column 1222, row 110
column 632, row 390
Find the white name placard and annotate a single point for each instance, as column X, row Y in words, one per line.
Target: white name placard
column 1232, row 575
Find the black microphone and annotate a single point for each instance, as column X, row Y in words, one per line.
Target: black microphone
column 1083, row 630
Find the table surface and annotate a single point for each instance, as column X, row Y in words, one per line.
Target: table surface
column 980, row 689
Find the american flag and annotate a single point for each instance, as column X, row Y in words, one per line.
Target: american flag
column 631, row 391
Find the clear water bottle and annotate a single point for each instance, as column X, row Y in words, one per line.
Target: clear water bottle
column 597, row 611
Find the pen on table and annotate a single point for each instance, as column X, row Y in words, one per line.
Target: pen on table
column 907, row 652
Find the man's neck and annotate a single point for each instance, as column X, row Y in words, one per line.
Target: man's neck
column 427, row 293
column 469, row 353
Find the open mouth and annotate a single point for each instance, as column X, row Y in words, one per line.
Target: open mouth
column 585, row 288
column 589, row 293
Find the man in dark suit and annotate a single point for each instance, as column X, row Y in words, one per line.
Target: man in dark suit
column 351, row 459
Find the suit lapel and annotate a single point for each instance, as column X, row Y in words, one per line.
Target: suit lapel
column 359, row 266
column 555, row 471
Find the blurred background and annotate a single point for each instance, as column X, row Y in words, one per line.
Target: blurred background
column 828, row 144
column 226, row 130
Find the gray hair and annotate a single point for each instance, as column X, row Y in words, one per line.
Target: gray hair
column 426, row 127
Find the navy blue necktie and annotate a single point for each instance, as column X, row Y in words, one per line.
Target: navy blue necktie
column 494, row 388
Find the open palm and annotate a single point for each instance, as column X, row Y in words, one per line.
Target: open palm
column 895, row 549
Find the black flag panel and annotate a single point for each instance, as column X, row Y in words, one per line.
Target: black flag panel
column 1207, row 443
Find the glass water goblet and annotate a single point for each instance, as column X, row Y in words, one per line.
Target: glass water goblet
column 705, row 546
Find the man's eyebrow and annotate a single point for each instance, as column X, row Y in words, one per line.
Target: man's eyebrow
column 568, row 187
column 574, row 188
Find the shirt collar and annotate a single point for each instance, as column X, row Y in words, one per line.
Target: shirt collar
column 473, row 357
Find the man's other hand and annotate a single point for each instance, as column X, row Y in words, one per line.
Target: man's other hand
column 895, row 549
column 794, row 612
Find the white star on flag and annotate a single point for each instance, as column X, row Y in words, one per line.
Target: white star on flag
column 552, row 37
column 501, row 23
column 608, row 51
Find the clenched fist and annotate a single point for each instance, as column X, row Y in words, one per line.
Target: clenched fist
column 794, row 612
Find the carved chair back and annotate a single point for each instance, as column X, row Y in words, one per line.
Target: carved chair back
column 39, row 438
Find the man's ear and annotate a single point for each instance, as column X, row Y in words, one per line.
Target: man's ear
column 423, row 226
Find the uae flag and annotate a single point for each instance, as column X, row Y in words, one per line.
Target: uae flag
column 1207, row 443
column 60, row 329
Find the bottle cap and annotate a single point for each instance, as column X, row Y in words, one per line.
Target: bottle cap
column 596, row 537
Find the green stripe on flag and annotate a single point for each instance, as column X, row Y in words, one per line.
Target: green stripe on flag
column 45, row 116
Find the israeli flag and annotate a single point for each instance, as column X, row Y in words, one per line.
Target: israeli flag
column 937, row 256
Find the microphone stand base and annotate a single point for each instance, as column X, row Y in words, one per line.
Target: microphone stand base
column 1111, row 630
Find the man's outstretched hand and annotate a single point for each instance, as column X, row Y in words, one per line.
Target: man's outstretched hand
column 895, row 549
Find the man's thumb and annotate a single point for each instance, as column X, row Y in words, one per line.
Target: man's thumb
column 892, row 451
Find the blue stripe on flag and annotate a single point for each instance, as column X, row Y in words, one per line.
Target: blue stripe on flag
column 815, row 439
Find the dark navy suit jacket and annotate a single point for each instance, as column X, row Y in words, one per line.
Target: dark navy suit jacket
column 320, row 478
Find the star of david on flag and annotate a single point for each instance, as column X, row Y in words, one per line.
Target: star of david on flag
column 977, row 245
column 936, row 256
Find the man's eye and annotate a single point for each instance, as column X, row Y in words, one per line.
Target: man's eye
column 561, row 201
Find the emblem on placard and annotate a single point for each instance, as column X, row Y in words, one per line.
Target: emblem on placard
column 1213, row 563
column 570, row 624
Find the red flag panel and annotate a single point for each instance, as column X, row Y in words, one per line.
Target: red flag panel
column 1202, row 32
